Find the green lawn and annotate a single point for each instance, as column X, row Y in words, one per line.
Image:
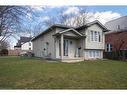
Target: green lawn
column 35, row 73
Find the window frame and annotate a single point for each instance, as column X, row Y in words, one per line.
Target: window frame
column 109, row 47
column 95, row 36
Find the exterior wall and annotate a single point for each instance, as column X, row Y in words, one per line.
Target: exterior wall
column 118, row 40
column 94, row 45
column 27, row 46
column 39, row 45
column 89, row 45
column 113, row 24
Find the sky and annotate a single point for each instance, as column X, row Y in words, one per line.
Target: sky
column 44, row 13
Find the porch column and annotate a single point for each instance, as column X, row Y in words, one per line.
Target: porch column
column 61, row 46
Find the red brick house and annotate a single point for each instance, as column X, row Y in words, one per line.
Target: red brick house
column 116, row 41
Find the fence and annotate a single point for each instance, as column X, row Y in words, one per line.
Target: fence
column 117, row 55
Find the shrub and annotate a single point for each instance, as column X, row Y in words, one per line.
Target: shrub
column 3, row 52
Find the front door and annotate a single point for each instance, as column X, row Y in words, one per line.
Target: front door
column 65, row 47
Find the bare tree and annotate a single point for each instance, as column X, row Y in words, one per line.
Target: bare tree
column 70, row 19
column 11, row 18
column 4, row 45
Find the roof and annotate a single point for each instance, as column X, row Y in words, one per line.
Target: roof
column 17, row 46
column 91, row 23
column 68, row 27
column 115, row 32
column 22, row 40
column 50, row 28
column 116, row 19
column 25, row 39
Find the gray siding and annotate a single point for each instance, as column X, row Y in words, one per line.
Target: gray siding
column 94, row 45
column 114, row 24
column 40, row 43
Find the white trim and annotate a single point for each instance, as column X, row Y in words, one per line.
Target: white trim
column 94, row 54
column 72, row 30
column 96, row 21
column 95, row 38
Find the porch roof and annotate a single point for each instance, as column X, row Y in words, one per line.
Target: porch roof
column 70, row 29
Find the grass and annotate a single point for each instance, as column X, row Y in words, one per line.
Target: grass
column 35, row 73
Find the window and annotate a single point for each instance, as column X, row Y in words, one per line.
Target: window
column 92, row 36
column 109, row 47
column 99, row 37
column 97, row 54
column 94, row 54
column 95, row 36
column 90, row 53
column 29, row 48
column 29, row 44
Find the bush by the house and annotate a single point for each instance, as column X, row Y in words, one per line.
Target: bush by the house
column 3, row 52
column 117, row 55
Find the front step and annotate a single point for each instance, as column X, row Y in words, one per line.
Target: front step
column 72, row 60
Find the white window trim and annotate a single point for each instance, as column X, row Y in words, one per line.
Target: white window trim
column 108, row 47
column 94, row 54
column 94, row 36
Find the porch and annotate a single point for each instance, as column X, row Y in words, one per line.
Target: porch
column 69, row 46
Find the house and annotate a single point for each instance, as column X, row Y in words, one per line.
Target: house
column 116, row 42
column 119, row 24
column 27, row 46
column 116, row 38
column 71, row 44
column 23, row 44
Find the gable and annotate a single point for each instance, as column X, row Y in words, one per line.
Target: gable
column 95, row 27
column 70, row 33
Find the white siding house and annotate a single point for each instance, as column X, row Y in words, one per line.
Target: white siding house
column 27, row 46
column 68, row 43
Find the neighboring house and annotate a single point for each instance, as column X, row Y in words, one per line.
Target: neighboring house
column 17, row 47
column 116, row 42
column 27, row 46
column 24, row 44
column 22, row 41
column 119, row 24
column 116, row 38
column 68, row 43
